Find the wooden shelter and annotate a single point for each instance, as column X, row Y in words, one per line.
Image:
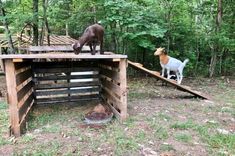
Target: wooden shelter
column 63, row 77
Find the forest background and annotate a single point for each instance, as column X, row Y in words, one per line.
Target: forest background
column 201, row 30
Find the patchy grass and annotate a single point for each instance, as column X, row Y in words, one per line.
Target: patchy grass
column 183, row 125
column 161, row 120
column 183, row 137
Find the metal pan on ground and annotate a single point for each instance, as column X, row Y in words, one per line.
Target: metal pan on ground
column 98, row 118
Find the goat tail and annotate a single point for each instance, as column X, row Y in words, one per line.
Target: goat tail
column 185, row 61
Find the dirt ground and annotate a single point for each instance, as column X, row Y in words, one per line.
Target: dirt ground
column 162, row 121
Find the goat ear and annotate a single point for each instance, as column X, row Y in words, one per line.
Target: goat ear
column 164, row 51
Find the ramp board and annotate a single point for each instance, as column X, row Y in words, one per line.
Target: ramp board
column 157, row 75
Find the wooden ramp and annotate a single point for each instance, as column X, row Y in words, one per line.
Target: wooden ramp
column 157, row 75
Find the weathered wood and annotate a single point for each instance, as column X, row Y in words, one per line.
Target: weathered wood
column 23, row 69
column 64, row 77
column 12, row 96
column 123, row 86
column 23, row 110
column 66, row 98
column 65, row 70
column 156, row 75
column 61, row 92
column 19, row 65
column 112, row 86
column 110, row 97
column 115, row 76
column 62, row 56
column 21, row 93
column 21, row 77
column 25, row 97
column 109, row 63
column 24, row 117
column 106, row 67
column 66, row 85
column 23, row 84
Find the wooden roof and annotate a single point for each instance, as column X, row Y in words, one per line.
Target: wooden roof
column 26, row 41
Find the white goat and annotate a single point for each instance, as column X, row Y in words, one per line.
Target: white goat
column 170, row 64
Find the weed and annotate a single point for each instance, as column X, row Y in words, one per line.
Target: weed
column 27, row 138
column 183, row 137
column 183, row 125
column 161, row 133
column 166, row 147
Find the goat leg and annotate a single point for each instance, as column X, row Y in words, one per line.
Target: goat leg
column 93, row 51
column 101, row 47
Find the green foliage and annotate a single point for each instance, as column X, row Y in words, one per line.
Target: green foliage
column 187, row 29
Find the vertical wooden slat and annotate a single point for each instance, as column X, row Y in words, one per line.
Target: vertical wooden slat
column 123, row 86
column 12, row 96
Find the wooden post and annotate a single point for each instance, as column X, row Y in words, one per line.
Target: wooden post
column 123, row 86
column 12, row 96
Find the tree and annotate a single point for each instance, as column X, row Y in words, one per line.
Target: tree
column 35, row 22
column 8, row 33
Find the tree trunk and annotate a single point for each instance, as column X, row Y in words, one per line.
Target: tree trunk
column 8, row 33
column 217, row 46
column 35, row 22
column 45, row 4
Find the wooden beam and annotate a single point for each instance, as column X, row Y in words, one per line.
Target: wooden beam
column 123, row 86
column 12, row 96
column 18, row 60
column 62, row 56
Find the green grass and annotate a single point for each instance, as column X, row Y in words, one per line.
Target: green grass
column 183, row 137
column 50, row 148
column 27, row 138
column 183, row 125
column 4, row 123
column 166, row 147
column 161, row 133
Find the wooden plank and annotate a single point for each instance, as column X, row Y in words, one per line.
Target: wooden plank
column 20, row 65
column 12, row 96
column 60, row 92
column 23, row 84
column 62, row 56
column 113, row 99
column 23, row 69
column 114, row 110
column 24, row 108
column 66, row 85
column 21, row 77
column 109, row 63
column 115, row 76
column 18, row 60
column 123, row 86
column 67, row 48
column 25, row 97
column 107, row 67
column 24, row 117
column 112, row 86
column 66, row 64
column 21, row 93
column 66, row 98
column 65, row 69
column 156, row 75
column 64, row 77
